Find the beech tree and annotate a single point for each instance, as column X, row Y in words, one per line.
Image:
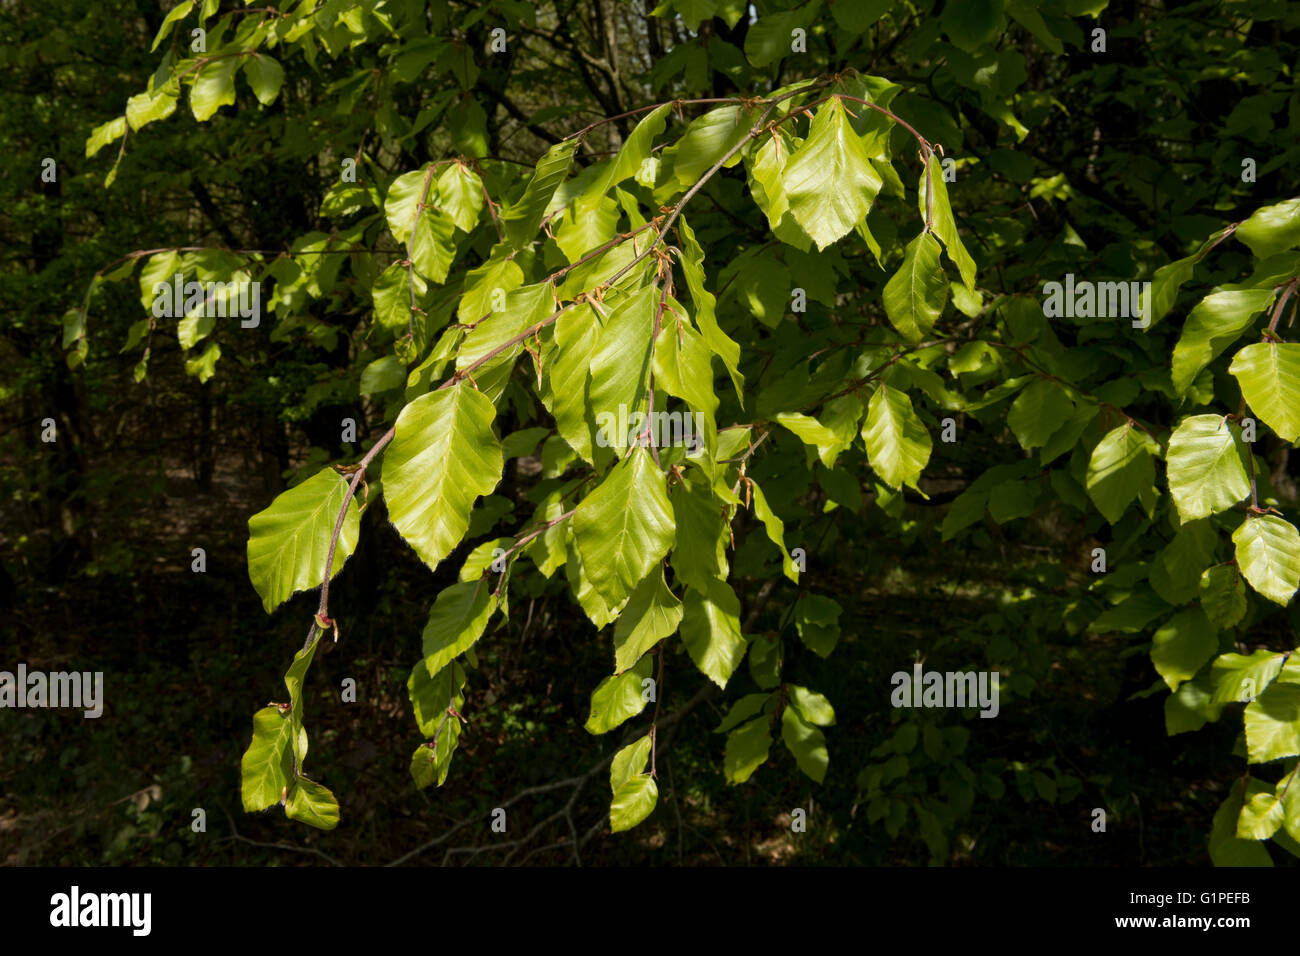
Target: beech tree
column 985, row 272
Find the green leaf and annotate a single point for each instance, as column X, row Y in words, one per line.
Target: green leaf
column 1240, row 678
column 460, row 197
column 522, row 219
column 1268, row 554
column 624, row 527
column 633, row 802
column 214, row 87
column 898, row 443
column 817, row 619
column 1038, row 413
column 620, row 365
column 1269, row 375
column 829, row 181
column 653, row 612
column 945, row 225
column 768, row 38
column 747, row 749
column 629, row 761
column 1176, row 574
column 916, row 293
column 618, row 698
column 576, row 334
column 145, row 108
column 1272, row 229
column 1273, row 722
column 289, row 541
column 456, row 621
column 1182, row 645
column 443, row 456
column 1119, row 470
column 683, row 368
column 812, row 706
column 828, row 442
column 972, row 24
column 806, row 742
column 265, row 76
column 175, row 14
column 431, row 696
column 593, row 605
column 718, row 341
column 710, row 629
column 383, row 374
column 635, row 150
column 1262, row 814
column 1223, row 595
column 1205, row 466
column 403, row 201
column 391, row 297
column 267, row 764
column 523, row 308
column 1226, row 849
column 707, row 139
column 433, row 245
column 1027, row 15
column 1190, row 707
column 313, row 804
column 741, row 711
column 775, row 530
column 1214, row 324
column 105, row 133
column 699, row 553
column 635, row 792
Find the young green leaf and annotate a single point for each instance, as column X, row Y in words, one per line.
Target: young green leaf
column 806, row 742
column 945, row 225
column 916, row 293
column 444, row 455
column 635, row 792
column 1205, row 466
column 829, row 182
column 288, row 542
column 1182, row 645
column 214, row 87
column 1268, row 554
column 653, row 612
column 521, row 220
column 1214, row 324
column 267, row 765
column 624, row 527
column 618, row 698
column 456, row 621
column 1269, row 375
column 1120, row 469
column 897, row 441
column 747, row 749
column 711, row 630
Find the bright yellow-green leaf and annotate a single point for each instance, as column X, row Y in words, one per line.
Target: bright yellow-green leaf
column 442, row 458
column 829, row 181
column 1268, row 554
column 1205, row 466
column 1269, row 375
column 625, row 527
column 288, row 542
